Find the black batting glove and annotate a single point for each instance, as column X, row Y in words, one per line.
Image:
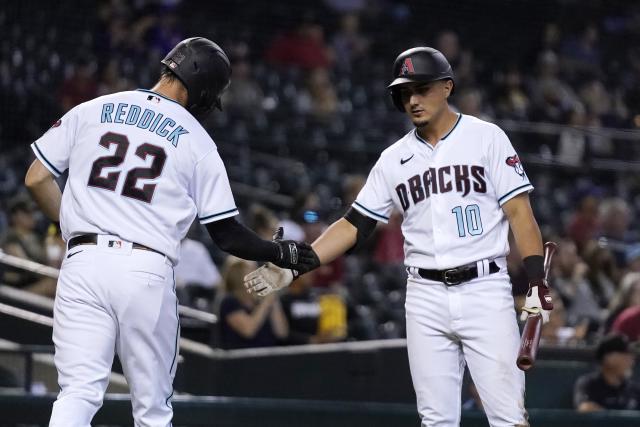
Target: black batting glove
column 296, row 256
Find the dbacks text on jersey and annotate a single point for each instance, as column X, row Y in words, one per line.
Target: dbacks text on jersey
column 460, row 178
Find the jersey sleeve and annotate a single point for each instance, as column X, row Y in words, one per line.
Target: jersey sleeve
column 211, row 190
column 53, row 148
column 507, row 173
column 374, row 199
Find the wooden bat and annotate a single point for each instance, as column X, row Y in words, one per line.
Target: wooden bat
column 531, row 333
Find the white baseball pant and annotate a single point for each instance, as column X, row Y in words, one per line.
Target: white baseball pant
column 112, row 298
column 473, row 323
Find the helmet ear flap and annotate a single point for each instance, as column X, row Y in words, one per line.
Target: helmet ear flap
column 396, row 97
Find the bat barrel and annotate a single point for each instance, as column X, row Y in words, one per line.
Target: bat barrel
column 529, row 342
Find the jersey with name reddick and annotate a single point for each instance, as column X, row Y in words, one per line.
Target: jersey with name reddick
column 140, row 167
column 450, row 195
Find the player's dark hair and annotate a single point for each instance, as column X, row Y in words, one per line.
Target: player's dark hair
column 167, row 74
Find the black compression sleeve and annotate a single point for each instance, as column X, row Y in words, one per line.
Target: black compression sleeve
column 238, row 240
column 364, row 224
column 534, row 267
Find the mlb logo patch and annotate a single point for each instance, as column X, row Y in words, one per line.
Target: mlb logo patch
column 153, row 98
column 117, row 244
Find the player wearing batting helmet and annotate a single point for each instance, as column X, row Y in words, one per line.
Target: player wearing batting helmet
column 460, row 186
column 141, row 169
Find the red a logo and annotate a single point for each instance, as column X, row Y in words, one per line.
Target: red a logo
column 407, row 67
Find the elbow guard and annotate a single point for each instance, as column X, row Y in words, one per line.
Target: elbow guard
column 363, row 224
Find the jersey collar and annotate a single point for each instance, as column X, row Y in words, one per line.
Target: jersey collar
column 424, row 141
column 158, row 94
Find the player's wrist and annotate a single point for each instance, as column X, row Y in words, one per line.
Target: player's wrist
column 534, row 269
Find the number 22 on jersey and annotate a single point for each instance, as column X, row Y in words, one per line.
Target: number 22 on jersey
column 130, row 189
column 469, row 220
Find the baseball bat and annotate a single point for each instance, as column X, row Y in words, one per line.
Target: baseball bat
column 531, row 333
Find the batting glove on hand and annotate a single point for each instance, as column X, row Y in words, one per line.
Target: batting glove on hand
column 298, row 256
column 538, row 301
column 267, row 279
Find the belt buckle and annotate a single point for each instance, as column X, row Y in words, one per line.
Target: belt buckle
column 450, row 281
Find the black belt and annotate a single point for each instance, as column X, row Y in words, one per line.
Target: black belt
column 455, row 276
column 92, row 239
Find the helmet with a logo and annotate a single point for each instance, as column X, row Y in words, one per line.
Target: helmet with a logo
column 204, row 69
column 419, row 64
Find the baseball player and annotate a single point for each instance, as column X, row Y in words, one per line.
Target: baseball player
column 141, row 167
column 459, row 185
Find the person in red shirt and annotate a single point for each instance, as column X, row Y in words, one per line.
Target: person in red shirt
column 303, row 47
column 628, row 323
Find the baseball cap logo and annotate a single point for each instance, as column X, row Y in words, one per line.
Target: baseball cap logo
column 407, row 67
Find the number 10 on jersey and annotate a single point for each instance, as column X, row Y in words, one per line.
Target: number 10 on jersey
column 468, row 220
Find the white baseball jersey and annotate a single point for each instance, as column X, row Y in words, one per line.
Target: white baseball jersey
column 450, row 195
column 141, row 167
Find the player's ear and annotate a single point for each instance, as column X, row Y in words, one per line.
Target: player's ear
column 448, row 88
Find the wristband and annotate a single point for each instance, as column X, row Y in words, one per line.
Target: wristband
column 534, row 268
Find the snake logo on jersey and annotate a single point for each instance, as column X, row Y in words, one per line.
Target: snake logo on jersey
column 460, row 178
column 514, row 162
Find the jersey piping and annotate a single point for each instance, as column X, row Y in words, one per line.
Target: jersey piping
column 46, row 162
column 219, row 215
column 511, row 194
column 370, row 213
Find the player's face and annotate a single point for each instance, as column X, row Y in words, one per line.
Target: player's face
column 425, row 101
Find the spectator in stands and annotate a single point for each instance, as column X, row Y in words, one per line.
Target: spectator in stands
column 351, row 186
column 197, row 277
column 584, row 224
column 244, row 320
column 557, row 332
column 55, row 246
column 112, row 80
column 244, row 96
column 319, row 98
column 80, row 86
column 460, row 59
column 304, row 311
column 609, row 387
column 303, row 47
column 263, row 221
column 349, row 44
column 603, row 274
column 23, row 241
column 628, row 323
column 572, row 143
column 628, row 295
column 552, row 98
column 582, row 54
column 389, row 246
column 569, row 277
column 615, row 220
column 632, row 257
column 469, row 101
column 512, row 101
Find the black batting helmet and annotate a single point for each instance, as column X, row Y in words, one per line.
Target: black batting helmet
column 419, row 64
column 204, row 69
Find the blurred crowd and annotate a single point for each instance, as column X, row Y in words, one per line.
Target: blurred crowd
column 309, row 90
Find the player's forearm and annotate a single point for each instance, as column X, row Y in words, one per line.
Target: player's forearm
column 44, row 189
column 335, row 241
column 524, row 226
column 240, row 241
